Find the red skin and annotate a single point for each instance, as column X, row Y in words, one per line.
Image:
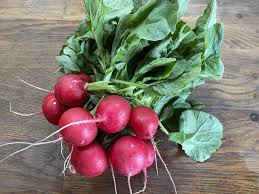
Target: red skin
column 128, row 155
column 144, row 122
column 90, row 160
column 151, row 154
column 80, row 134
column 70, row 90
column 86, row 78
column 52, row 109
column 114, row 112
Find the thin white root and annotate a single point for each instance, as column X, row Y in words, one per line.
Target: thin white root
column 61, row 149
column 30, row 145
column 114, row 180
column 23, row 114
column 168, row 172
column 57, row 70
column 27, row 143
column 129, row 184
column 54, row 133
column 33, row 86
column 156, row 162
column 67, row 162
column 15, row 143
column 145, row 183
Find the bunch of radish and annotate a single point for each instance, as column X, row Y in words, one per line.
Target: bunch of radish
column 127, row 154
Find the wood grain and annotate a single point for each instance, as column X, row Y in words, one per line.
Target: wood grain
column 31, row 34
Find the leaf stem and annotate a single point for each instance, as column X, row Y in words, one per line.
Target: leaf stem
column 128, row 83
column 162, row 127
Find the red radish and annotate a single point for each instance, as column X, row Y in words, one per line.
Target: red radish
column 52, row 108
column 81, row 134
column 70, row 90
column 114, row 112
column 90, row 160
column 149, row 161
column 86, row 78
column 144, row 122
column 151, row 154
column 128, row 156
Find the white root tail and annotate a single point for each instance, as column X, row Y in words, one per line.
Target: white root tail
column 67, row 162
column 40, row 142
column 57, row 70
column 114, row 180
column 129, row 184
column 29, row 143
column 33, row 86
column 23, row 114
column 145, row 182
column 168, row 172
column 156, row 161
column 61, row 149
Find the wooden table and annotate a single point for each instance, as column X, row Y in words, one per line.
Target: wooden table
column 31, row 34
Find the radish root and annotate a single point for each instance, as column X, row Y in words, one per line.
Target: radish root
column 168, row 172
column 33, row 86
column 145, row 182
column 23, row 114
column 30, row 145
column 156, row 161
column 61, row 149
column 40, row 142
column 57, row 70
column 114, row 180
column 67, row 162
column 129, row 184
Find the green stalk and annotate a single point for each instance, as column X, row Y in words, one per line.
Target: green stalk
column 128, row 83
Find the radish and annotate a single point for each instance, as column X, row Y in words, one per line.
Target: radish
column 114, row 111
column 128, row 156
column 52, row 109
column 90, row 160
column 144, row 122
column 86, row 78
column 70, row 90
column 151, row 155
column 81, row 134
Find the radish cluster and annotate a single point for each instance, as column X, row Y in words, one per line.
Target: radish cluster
column 89, row 155
column 128, row 155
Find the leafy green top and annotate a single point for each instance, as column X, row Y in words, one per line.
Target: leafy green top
column 148, row 54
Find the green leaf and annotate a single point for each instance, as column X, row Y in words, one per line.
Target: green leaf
column 213, row 39
column 130, row 47
column 183, row 33
column 200, row 134
column 67, row 63
column 85, row 26
column 209, row 17
column 173, row 87
column 156, row 70
column 213, row 67
column 160, row 21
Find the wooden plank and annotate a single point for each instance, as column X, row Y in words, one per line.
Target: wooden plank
column 44, row 10
column 74, row 9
